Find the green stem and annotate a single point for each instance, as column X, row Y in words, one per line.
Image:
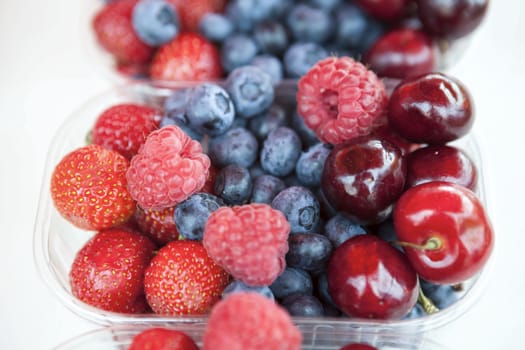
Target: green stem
column 433, row 243
column 427, row 304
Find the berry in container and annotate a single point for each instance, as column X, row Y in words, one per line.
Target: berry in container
column 334, row 198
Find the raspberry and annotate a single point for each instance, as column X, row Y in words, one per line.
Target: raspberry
column 168, row 168
column 248, row 241
column 246, row 321
column 340, row 99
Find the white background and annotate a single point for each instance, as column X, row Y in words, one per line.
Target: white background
column 46, row 73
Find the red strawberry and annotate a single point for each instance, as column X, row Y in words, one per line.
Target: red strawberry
column 162, row 339
column 124, row 127
column 191, row 12
column 183, row 280
column 114, row 32
column 89, row 188
column 188, row 57
column 159, row 225
column 108, row 272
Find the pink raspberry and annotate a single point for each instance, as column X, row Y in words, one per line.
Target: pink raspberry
column 340, row 99
column 168, row 168
column 249, row 321
column 248, row 241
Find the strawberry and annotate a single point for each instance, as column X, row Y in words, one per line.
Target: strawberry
column 124, row 127
column 159, row 225
column 188, row 57
column 114, row 32
column 191, row 12
column 108, row 272
column 162, row 339
column 89, row 188
column 183, row 280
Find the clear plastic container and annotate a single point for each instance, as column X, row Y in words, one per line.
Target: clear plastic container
column 319, row 338
column 56, row 242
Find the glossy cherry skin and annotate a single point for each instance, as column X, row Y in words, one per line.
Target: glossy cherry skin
column 386, row 10
column 402, row 53
column 451, row 18
column 364, row 178
column 441, row 163
column 358, row 346
column 454, row 218
column 432, row 108
column 368, row 278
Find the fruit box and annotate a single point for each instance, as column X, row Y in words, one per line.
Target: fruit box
column 56, row 241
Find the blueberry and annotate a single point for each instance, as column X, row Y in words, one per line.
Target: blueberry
column 236, row 146
column 237, row 50
column 210, row 109
column 310, row 165
column 355, row 29
column 441, row 295
column 340, row 228
column 192, row 214
column 262, row 124
column 245, row 14
column 239, row 286
column 155, row 21
column 303, row 305
column 271, row 65
column 308, row 251
column 300, row 207
column 307, row 135
column 265, row 188
column 233, row 184
column 280, row 151
column 416, row 312
column 327, row 211
column 326, row 5
column 300, row 57
column 292, row 281
column 256, row 170
column 251, row 90
column 271, row 37
column 175, row 112
column 309, row 24
column 321, row 285
column 216, row 27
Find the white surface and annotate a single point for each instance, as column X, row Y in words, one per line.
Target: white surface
column 45, row 75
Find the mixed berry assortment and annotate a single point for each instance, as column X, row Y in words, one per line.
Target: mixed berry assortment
column 208, row 39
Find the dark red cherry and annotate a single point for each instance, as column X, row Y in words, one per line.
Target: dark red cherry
column 364, row 178
column 441, row 163
column 369, row 278
column 402, row 53
column 358, row 346
column 432, row 108
column 385, row 132
column 386, row 10
column 451, row 18
column 445, row 231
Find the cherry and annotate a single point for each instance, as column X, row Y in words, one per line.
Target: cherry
column 402, row 53
column 431, row 108
column 369, row 278
column 358, row 346
column 363, row 178
column 386, row 10
column 441, row 163
column 444, row 231
column 451, row 18
column 385, row 132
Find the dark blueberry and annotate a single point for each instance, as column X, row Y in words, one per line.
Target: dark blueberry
column 300, row 207
column 327, row 5
column 310, row 165
column 271, row 65
column 355, row 29
column 236, row 146
column 155, row 21
column 251, row 90
column 321, row 285
column 307, row 135
column 240, row 123
column 308, row 251
column 416, row 312
column 245, row 14
column 233, row 184
column 309, row 24
column 327, row 211
column 239, row 286
column 441, row 295
column 292, row 281
column 280, row 151
column 300, row 57
column 256, row 170
column 264, row 123
column 291, row 180
column 210, row 109
column 265, row 188
column 237, row 50
column 175, row 112
column 331, row 311
column 340, row 228
column 271, row 37
column 192, row 214
column 216, row 27
column 303, row 305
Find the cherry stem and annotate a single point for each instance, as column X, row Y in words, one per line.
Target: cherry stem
column 433, row 243
column 427, row 304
